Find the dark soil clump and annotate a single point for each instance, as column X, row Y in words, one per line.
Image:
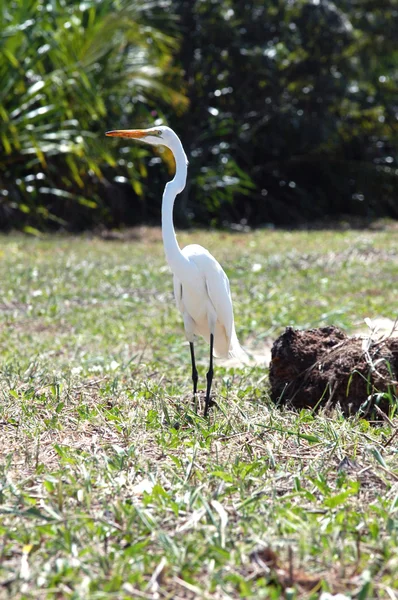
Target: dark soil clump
column 320, row 367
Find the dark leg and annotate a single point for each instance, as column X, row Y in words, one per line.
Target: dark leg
column 194, row 370
column 209, row 376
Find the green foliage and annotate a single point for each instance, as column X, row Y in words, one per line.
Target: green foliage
column 287, row 110
column 69, row 71
column 301, row 95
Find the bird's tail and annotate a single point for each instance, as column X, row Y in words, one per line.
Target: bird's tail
column 236, row 350
column 229, row 348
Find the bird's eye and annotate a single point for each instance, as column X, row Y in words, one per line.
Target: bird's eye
column 159, row 132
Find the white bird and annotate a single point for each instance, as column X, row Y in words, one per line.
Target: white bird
column 201, row 287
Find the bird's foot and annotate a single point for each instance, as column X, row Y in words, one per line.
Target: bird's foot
column 209, row 404
column 199, row 399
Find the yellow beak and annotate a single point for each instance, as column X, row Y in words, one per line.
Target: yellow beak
column 128, row 133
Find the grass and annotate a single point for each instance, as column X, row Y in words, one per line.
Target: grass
column 111, row 486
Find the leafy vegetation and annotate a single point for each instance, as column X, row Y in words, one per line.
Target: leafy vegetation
column 113, row 487
column 300, row 97
column 287, row 109
column 63, row 65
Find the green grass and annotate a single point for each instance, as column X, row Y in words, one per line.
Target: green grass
column 111, row 486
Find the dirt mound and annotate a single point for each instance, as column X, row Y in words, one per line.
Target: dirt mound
column 316, row 367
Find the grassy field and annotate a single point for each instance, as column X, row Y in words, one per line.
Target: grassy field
column 113, row 487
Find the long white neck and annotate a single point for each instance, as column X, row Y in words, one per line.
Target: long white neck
column 177, row 261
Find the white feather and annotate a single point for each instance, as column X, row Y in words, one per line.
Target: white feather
column 204, row 300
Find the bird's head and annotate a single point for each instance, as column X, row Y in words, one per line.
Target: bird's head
column 156, row 136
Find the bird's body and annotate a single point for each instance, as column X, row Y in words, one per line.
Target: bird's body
column 201, row 287
column 205, row 297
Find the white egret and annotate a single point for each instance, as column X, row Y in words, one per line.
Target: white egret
column 201, row 287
